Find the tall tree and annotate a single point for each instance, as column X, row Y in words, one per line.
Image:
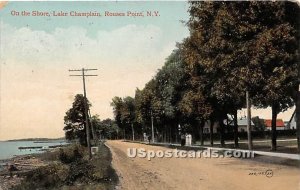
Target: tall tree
column 171, row 84
column 128, row 113
column 195, row 107
column 117, row 104
column 275, row 53
column 74, row 120
column 124, row 112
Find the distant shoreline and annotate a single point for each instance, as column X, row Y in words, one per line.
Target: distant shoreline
column 11, row 148
column 35, row 139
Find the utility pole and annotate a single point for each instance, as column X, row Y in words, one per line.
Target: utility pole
column 83, row 75
column 152, row 127
column 95, row 137
column 248, row 101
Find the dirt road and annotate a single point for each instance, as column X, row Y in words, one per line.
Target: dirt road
column 197, row 173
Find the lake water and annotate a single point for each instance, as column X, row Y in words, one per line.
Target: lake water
column 9, row 149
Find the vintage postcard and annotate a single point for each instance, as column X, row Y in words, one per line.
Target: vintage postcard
column 158, row 95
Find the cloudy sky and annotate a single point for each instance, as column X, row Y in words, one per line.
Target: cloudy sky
column 36, row 53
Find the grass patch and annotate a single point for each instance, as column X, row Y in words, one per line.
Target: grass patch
column 70, row 169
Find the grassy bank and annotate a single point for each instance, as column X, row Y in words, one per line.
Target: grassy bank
column 70, row 169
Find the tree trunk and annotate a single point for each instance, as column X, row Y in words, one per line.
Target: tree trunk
column 176, row 134
column 297, row 114
column 132, row 131
column 165, row 133
column 273, row 126
column 235, row 130
column 298, row 118
column 221, row 124
column 249, row 127
column 170, row 134
column 211, row 132
column 124, row 134
column 201, row 133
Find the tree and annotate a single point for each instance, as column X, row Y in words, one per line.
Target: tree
column 148, row 105
column 171, row 83
column 106, row 128
column 124, row 112
column 195, row 107
column 117, row 106
column 203, row 56
column 128, row 113
column 112, row 129
column 244, row 46
column 275, row 53
column 259, row 124
column 74, row 120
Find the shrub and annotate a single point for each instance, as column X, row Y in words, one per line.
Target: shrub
column 66, row 156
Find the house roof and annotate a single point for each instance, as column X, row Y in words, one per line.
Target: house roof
column 279, row 123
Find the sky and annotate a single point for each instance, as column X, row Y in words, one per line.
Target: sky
column 36, row 53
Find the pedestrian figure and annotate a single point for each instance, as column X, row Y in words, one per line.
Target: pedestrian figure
column 149, row 138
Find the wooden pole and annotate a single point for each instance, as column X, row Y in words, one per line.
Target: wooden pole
column 85, row 107
column 248, row 101
column 86, row 117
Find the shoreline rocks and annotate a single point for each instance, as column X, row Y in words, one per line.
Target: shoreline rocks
column 13, row 169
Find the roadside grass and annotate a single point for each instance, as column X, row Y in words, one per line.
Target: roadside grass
column 70, row 169
column 289, row 146
column 282, row 146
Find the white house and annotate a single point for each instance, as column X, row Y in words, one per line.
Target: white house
column 242, row 125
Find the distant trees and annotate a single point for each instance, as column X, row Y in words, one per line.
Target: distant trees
column 124, row 111
column 105, row 129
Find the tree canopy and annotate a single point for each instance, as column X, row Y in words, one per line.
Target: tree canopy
column 74, row 120
column 233, row 47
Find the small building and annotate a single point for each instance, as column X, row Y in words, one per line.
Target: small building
column 279, row 124
column 242, row 124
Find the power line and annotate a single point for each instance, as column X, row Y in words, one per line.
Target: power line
column 83, row 75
